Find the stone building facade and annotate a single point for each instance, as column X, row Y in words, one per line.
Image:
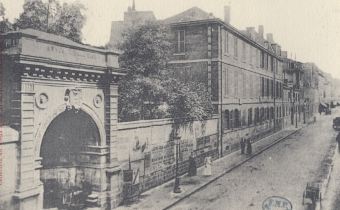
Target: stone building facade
column 241, row 69
column 59, row 122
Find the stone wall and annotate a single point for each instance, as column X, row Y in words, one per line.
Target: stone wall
column 149, row 148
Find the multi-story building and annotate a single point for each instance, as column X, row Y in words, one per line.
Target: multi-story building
column 241, row 69
column 293, row 91
column 310, row 88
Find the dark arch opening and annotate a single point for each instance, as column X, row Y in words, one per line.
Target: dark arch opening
column 66, row 136
column 67, row 180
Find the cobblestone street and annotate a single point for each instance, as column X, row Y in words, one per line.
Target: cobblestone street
column 282, row 170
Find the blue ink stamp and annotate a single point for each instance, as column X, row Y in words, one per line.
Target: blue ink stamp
column 277, row 203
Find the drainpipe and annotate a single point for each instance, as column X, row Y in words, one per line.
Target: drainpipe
column 220, row 95
column 274, row 89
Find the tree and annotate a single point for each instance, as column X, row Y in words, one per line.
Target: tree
column 150, row 90
column 146, row 49
column 66, row 20
column 5, row 25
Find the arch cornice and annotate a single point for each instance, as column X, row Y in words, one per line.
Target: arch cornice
column 57, row 111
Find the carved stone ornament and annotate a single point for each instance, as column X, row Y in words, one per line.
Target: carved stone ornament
column 41, row 100
column 98, row 100
column 73, row 98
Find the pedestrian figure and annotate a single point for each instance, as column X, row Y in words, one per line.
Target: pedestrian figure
column 243, row 145
column 192, row 171
column 249, row 149
column 208, row 162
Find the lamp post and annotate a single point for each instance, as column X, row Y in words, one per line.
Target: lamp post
column 304, row 112
column 177, row 188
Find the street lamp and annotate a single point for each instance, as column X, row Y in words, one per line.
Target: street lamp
column 304, row 112
column 177, row 188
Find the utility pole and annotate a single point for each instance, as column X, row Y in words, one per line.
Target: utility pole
column 177, row 188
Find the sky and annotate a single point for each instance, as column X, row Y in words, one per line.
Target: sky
column 307, row 29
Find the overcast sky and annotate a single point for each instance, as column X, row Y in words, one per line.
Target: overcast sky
column 308, row 28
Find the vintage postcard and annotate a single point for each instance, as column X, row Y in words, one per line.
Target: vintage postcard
column 158, row 104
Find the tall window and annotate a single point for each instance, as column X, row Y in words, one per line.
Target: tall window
column 244, row 85
column 244, row 116
column 180, row 39
column 250, row 116
column 256, row 120
column 268, row 113
column 262, row 86
column 267, row 84
column 270, row 61
column 262, row 59
column 226, row 119
column 251, row 88
column 261, row 114
column 236, row 82
column 226, row 44
column 266, row 61
column 226, row 82
column 231, row 119
column 235, row 47
column 237, row 118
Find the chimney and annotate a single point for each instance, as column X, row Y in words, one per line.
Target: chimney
column 261, row 30
column 251, row 32
column 227, row 14
column 284, row 54
column 270, row 38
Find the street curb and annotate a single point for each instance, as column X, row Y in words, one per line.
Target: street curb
column 324, row 184
column 232, row 168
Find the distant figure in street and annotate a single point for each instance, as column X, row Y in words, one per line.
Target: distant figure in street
column 192, row 171
column 338, row 140
column 243, row 145
column 249, row 149
column 208, row 162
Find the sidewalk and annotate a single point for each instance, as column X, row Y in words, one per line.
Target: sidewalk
column 162, row 197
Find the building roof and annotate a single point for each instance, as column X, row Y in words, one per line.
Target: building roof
column 191, row 14
column 56, row 39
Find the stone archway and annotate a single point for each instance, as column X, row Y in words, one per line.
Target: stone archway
column 56, row 112
column 66, row 163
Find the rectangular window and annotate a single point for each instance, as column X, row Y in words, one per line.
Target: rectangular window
column 267, row 87
column 251, row 88
column 235, row 47
column 262, row 59
column 250, row 116
column 225, row 82
column 244, row 85
column 270, row 61
column 272, row 88
column 266, row 61
column 235, row 83
column 180, row 42
column 262, row 86
column 226, row 44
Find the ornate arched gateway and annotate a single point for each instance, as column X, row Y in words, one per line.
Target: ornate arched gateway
column 61, row 97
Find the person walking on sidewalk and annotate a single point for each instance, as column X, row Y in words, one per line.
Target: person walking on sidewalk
column 207, row 169
column 243, row 145
column 249, row 149
column 192, row 171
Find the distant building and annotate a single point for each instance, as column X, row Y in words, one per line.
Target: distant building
column 132, row 19
column 292, row 90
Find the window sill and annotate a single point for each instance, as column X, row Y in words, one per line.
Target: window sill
column 179, row 53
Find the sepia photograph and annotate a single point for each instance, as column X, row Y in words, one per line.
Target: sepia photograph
column 169, row 105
